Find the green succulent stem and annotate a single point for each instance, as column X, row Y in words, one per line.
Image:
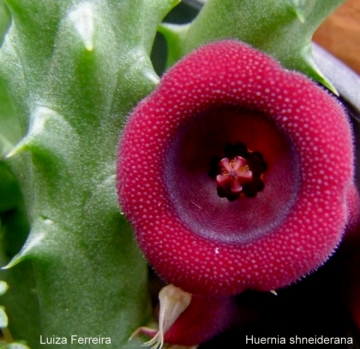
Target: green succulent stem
column 71, row 71
column 281, row 28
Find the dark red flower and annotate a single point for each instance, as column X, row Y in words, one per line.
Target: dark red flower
column 235, row 173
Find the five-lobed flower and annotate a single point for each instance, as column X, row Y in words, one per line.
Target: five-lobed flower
column 236, row 174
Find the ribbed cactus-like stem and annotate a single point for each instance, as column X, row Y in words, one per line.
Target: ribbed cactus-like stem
column 72, row 70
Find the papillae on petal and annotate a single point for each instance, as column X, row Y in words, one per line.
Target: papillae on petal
column 227, row 93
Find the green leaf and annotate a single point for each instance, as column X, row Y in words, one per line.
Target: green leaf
column 5, row 19
column 3, row 318
column 3, row 287
column 282, row 28
column 71, row 72
column 16, row 346
column 21, row 299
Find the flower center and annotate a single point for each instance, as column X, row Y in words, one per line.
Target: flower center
column 239, row 172
column 192, row 163
column 234, row 173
